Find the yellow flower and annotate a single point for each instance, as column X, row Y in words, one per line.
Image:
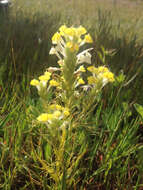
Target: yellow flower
column 92, row 69
column 58, row 107
column 54, row 83
column 62, row 29
column 81, row 81
column 47, row 73
column 56, row 38
column 34, row 82
column 66, row 112
column 88, row 39
column 69, row 44
column 80, row 40
column 45, row 117
column 44, row 77
column 82, row 69
column 81, row 30
column 109, row 76
column 70, row 31
column 103, row 69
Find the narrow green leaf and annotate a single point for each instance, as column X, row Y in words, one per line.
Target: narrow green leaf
column 139, row 109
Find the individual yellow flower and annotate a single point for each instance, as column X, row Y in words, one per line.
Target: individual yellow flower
column 70, row 31
column 56, row 38
column 103, row 69
column 81, row 30
column 80, row 40
column 54, row 83
column 45, row 117
column 44, row 77
column 62, row 29
column 88, row 39
column 66, row 112
column 58, row 107
column 82, row 69
column 34, row 82
column 69, row 44
column 109, row 75
column 81, row 81
column 92, row 69
column 47, row 73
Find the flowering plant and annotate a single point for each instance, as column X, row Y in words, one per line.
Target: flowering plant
column 75, row 84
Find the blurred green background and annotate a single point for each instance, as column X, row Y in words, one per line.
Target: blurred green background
column 27, row 27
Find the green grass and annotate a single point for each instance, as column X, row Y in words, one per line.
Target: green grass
column 106, row 147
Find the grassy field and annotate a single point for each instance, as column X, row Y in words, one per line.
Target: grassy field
column 101, row 148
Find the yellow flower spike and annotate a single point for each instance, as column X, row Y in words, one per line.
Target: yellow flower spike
column 56, row 38
column 54, row 83
column 34, row 82
column 44, row 78
column 44, row 117
column 88, row 39
column 81, row 30
column 81, row 81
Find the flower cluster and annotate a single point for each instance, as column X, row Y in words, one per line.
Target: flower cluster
column 43, row 80
column 55, row 112
column 70, row 76
column 100, row 75
column 70, row 39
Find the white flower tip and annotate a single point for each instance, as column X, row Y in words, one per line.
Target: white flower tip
column 52, row 51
